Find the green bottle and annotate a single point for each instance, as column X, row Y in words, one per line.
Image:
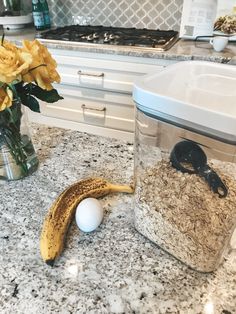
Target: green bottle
column 46, row 16
column 38, row 17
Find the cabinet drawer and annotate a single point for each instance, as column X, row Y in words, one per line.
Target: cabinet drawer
column 95, row 107
column 102, row 74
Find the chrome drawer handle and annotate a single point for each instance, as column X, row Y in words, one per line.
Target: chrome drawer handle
column 83, row 106
column 90, row 74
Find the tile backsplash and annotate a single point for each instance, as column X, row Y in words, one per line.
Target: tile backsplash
column 163, row 14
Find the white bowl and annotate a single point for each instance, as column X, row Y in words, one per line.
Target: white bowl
column 15, row 22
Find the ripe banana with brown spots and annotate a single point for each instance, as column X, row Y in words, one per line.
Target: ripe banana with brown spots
column 61, row 213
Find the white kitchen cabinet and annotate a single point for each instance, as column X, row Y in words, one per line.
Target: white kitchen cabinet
column 91, row 106
column 105, row 74
column 97, row 91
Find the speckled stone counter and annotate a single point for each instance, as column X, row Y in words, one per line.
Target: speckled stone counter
column 111, row 270
column 183, row 50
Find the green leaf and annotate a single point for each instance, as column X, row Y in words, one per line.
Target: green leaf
column 14, row 90
column 48, row 96
column 30, row 102
column 15, row 82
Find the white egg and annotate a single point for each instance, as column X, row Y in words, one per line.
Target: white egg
column 89, row 214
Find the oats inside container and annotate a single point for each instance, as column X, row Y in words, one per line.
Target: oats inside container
column 180, row 213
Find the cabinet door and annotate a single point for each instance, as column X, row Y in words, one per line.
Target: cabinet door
column 101, row 108
column 102, row 74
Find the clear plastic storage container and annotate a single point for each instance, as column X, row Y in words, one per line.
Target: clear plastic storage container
column 185, row 160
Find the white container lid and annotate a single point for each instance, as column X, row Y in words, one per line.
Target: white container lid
column 198, row 95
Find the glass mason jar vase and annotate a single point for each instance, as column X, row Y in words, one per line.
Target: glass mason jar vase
column 17, row 155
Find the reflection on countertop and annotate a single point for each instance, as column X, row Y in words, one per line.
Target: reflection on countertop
column 182, row 50
column 111, row 270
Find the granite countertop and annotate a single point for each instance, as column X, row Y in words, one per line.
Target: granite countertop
column 111, row 270
column 181, row 51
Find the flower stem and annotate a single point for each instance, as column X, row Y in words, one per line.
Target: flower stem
column 15, row 146
column 10, row 134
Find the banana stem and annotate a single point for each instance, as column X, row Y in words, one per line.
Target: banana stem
column 121, row 188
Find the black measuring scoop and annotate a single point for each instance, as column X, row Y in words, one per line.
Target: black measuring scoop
column 188, row 157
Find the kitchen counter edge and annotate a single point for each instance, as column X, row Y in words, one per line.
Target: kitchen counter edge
column 183, row 50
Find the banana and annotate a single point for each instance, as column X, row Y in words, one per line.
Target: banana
column 61, row 213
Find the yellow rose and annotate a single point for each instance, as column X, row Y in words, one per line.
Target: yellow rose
column 45, row 66
column 9, row 46
column 5, row 98
column 12, row 62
